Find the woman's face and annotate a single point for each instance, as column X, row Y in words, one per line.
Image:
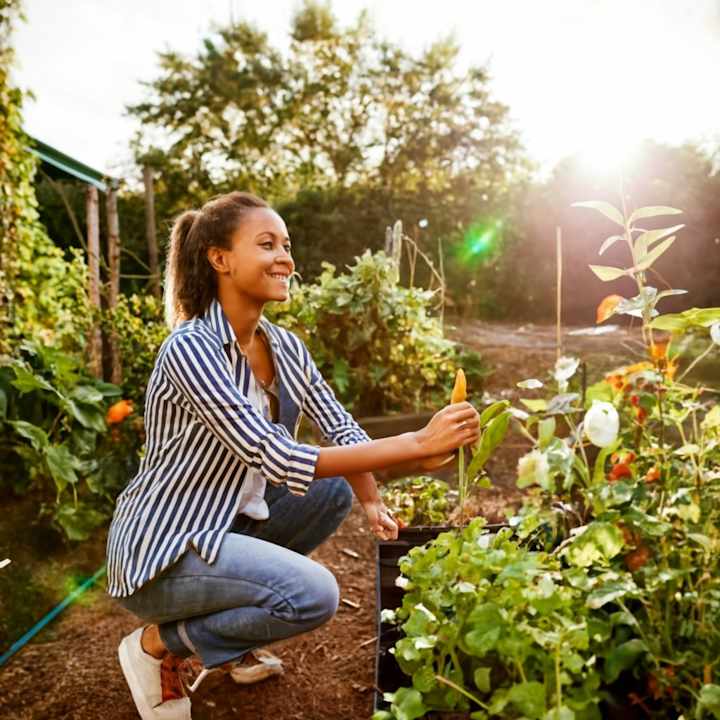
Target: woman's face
column 259, row 263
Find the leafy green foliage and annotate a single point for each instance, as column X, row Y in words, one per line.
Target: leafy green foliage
column 493, row 627
column 376, row 340
column 420, row 500
column 54, row 440
column 140, row 326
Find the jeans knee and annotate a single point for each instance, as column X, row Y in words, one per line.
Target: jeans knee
column 322, row 596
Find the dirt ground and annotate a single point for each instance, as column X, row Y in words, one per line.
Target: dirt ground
column 70, row 670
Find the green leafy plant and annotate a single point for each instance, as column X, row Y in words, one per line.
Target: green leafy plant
column 376, row 341
column 419, row 500
column 54, row 439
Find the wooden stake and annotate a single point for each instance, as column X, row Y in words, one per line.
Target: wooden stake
column 93, row 245
column 558, row 249
column 150, row 233
column 113, row 240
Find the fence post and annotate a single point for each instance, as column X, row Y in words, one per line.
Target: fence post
column 113, row 231
column 150, row 232
column 93, row 245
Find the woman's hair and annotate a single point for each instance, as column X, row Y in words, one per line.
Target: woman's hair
column 190, row 279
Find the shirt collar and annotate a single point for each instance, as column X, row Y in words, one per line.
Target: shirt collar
column 217, row 319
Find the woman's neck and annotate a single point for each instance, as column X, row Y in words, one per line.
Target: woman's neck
column 243, row 314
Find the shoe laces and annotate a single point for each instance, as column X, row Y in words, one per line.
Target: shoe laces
column 170, row 683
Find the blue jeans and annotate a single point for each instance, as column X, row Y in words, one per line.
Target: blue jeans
column 260, row 589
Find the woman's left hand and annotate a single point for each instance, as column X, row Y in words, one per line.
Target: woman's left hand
column 383, row 525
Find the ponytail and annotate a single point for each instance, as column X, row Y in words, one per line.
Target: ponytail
column 174, row 267
column 190, row 279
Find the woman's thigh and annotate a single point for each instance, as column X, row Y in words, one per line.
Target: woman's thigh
column 300, row 522
column 248, row 572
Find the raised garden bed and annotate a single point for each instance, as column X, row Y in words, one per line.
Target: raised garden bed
column 388, row 675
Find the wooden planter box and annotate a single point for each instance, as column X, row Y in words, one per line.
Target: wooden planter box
column 388, row 675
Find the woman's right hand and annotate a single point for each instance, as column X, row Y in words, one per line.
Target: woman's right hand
column 452, row 427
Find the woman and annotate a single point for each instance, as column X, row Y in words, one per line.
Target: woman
column 201, row 546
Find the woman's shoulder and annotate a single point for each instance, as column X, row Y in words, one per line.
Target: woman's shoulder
column 189, row 333
column 286, row 340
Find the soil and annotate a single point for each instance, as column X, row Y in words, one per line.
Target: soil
column 70, row 669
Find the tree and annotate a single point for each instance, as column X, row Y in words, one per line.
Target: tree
column 342, row 116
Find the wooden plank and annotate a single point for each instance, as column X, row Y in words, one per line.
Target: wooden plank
column 113, row 241
column 94, row 347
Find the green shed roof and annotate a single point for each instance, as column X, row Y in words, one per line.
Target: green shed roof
column 66, row 166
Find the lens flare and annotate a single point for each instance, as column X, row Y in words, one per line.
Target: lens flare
column 480, row 242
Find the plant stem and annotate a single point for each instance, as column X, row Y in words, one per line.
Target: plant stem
column 697, row 360
column 462, row 690
column 461, row 483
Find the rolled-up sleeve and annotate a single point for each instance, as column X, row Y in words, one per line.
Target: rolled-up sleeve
column 197, row 368
column 335, row 423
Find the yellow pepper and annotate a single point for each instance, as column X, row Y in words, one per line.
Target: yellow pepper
column 459, row 393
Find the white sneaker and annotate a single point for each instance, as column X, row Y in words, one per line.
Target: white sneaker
column 154, row 684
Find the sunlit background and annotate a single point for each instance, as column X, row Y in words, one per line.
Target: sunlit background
column 589, row 76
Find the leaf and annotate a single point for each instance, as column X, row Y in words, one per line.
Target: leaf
column 78, row 522
column 88, row 416
column 652, row 211
column 26, row 381
column 609, row 243
column 562, row 404
column 653, row 255
column 407, row 704
column 61, row 463
column 86, row 394
column 645, row 241
column 622, row 657
column 710, row 699
column 3, row 404
column 561, row 713
column 602, row 207
column 546, row 432
column 603, row 455
column 494, row 434
column 491, row 411
column 607, row 273
column 36, row 435
column 534, row 405
column 608, row 592
column 529, row 698
column 481, row 677
column 599, row 543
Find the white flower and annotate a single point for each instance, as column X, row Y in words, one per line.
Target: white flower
column 715, row 332
column 533, row 469
column 565, row 368
column 531, row 384
column 402, row 582
column 602, row 423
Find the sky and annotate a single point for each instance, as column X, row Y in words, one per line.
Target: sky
column 579, row 76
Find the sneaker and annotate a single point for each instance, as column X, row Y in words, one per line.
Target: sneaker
column 154, row 683
column 241, row 671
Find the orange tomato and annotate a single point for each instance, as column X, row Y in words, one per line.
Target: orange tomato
column 118, row 412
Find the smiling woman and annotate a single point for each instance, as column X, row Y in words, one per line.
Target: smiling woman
column 209, row 541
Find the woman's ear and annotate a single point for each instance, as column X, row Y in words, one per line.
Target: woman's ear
column 217, row 259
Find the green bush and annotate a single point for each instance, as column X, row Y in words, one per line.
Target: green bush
column 54, row 439
column 376, row 341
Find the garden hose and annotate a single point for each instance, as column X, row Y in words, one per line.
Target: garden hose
column 35, row 629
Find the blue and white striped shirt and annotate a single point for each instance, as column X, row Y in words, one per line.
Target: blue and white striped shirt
column 203, row 435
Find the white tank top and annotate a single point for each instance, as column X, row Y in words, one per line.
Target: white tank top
column 252, row 492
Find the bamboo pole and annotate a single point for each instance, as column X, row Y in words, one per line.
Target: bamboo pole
column 93, row 245
column 150, row 232
column 558, row 252
column 113, row 233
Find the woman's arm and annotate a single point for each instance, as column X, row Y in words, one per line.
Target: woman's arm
column 450, row 428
